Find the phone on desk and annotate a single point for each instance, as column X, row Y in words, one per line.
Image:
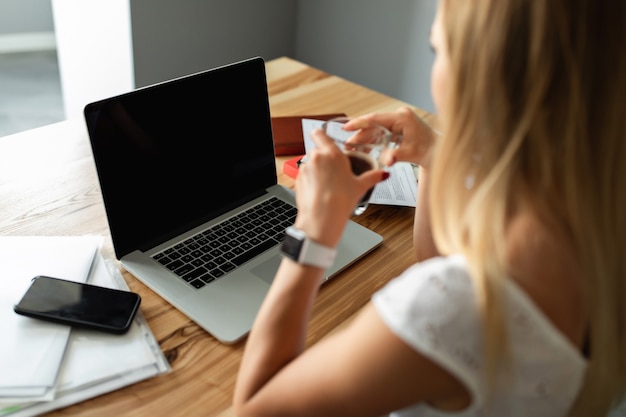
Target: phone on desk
column 79, row 304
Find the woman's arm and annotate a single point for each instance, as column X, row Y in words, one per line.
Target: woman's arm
column 279, row 332
column 423, row 241
column 326, row 193
column 361, row 370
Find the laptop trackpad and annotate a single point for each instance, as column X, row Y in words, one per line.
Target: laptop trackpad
column 267, row 270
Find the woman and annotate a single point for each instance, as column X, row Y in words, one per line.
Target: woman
column 515, row 307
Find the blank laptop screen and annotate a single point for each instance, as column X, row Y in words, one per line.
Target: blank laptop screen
column 174, row 155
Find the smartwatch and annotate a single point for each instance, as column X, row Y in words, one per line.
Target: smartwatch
column 298, row 247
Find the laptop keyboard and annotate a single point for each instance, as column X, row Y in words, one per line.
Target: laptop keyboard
column 214, row 252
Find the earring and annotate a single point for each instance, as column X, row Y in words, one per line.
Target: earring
column 471, row 179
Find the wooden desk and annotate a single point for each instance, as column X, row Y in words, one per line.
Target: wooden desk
column 48, row 186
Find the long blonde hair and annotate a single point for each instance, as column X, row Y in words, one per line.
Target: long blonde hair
column 537, row 118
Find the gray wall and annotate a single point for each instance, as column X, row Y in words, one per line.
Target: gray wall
column 174, row 38
column 23, row 16
column 382, row 45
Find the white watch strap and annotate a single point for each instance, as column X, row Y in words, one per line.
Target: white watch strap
column 317, row 255
column 298, row 247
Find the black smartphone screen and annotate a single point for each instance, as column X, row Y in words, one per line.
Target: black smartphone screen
column 79, row 304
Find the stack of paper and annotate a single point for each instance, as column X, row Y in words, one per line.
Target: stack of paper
column 32, row 351
column 46, row 367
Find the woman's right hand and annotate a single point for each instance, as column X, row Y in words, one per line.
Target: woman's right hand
column 327, row 190
column 418, row 138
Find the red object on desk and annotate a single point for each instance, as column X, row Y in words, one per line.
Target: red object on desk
column 290, row 166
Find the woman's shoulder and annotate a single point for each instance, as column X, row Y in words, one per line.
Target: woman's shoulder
column 430, row 284
column 438, row 296
column 434, row 308
column 430, row 300
column 544, row 266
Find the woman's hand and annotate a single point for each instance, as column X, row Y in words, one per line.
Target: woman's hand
column 327, row 191
column 418, row 138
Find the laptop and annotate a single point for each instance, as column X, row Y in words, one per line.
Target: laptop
column 188, row 178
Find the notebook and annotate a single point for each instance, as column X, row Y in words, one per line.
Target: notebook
column 178, row 162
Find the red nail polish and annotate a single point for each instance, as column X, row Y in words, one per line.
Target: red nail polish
column 386, row 175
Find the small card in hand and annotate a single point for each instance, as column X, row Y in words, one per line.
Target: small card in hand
column 287, row 131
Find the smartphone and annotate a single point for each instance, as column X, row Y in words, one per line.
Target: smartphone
column 79, row 304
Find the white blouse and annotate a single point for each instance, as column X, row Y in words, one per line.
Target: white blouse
column 432, row 307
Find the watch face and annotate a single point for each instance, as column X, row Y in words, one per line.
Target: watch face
column 292, row 246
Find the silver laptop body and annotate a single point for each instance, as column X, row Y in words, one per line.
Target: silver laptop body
column 178, row 158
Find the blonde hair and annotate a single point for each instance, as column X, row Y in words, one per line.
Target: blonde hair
column 537, row 118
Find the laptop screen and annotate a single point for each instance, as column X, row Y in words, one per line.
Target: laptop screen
column 174, row 155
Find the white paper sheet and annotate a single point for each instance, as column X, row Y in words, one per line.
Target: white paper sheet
column 31, row 351
column 399, row 190
column 93, row 355
column 96, row 362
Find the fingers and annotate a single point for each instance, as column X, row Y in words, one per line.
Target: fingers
column 418, row 137
column 394, row 121
column 370, row 178
column 390, row 157
column 326, row 159
column 320, row 138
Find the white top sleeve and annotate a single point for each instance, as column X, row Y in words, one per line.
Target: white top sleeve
column 432, row 307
